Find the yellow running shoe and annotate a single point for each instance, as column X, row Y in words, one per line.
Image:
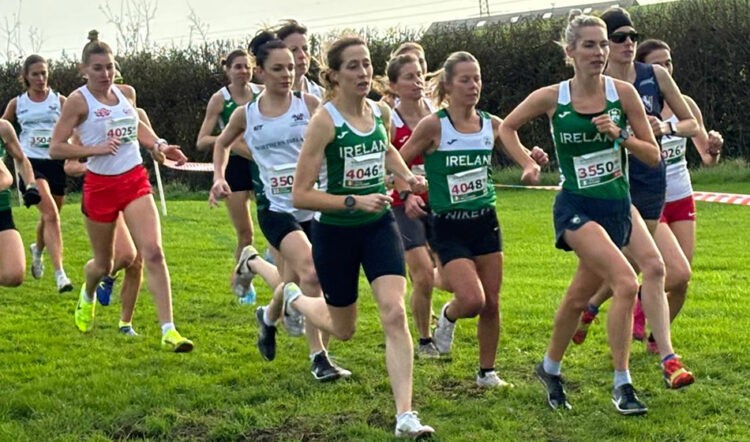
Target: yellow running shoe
column 173, row 341
column 84, row 315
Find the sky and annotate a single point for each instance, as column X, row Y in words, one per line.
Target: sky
column 62, row 25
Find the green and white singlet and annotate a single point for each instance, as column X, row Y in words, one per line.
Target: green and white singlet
column 354, row 165
column 458, row 172
column 591, row 163
column 4, row 194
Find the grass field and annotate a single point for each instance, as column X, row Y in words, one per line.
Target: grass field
column 58, row 384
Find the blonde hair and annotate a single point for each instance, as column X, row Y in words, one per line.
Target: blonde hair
column 577, row 20
column 445, row 74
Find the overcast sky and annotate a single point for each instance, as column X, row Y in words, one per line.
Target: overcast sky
column 64, row 24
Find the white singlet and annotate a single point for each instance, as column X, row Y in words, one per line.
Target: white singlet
column 37, row 119
column 678, row 177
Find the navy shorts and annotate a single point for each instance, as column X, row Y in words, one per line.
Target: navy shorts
column 648, row 187
column 276, row 226
column 414, row 232
column 465, row 234
column 338, row 252
column 239, row 173
column 6, row 220
column 572, row 211
column 52, row 171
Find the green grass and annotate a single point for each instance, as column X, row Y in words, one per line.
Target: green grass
column 58, row 384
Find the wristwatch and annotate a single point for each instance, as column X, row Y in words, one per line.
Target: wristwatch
column 624, row 135
column 350, row 202
column 672, row 128
column 404, row 194
column 158, row 143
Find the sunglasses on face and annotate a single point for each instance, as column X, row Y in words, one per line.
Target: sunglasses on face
column 620, row 37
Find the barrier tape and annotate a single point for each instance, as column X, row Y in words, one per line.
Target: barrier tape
column 709, row 197
column 190, row 167
column 725, row 198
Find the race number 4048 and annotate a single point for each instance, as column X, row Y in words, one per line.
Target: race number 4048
column 597, row 168
column 467, row 185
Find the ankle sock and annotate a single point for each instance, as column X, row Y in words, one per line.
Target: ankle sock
column 550, row 366
column 167, row 327
column 622, row 378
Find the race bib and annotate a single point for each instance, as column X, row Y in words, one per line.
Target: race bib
column 281, row 178
column 673, row 153
column 40, row 138
column 125, row 129
column 364, row 171
column 418, row 169
column 597, row 168
column 467, row 185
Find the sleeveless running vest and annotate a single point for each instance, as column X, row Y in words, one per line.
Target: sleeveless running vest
column 313, row 88
column 642, row 176
column 275, row 144
column 402, row 132
column 678, row 177
column 354, row 165
column 591, row 164
column 36, row 120
column 4, row 194
column 458, row 172
column 116, row 121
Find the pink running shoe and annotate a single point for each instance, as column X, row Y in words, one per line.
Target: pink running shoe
column 583, row 327
column 651, row 347
column 639, row 322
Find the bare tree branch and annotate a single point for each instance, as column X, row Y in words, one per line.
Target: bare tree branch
column 197, row 26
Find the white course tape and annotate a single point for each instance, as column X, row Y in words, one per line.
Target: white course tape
column 710, row 197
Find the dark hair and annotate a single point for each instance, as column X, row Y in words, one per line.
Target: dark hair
column 262, row 44
column 395, row 64
column 648, row 46
column 229, row 59
column 289, row 27
column 94, row 46
column 30, row 60
column 615, row 18
column 334, row 61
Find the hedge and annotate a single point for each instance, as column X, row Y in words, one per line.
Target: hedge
column 711, row 58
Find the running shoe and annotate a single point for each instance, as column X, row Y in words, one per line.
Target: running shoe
column 427, row 351
column 322, row 368
column 127, row 330
column 243, row 274
column 442, row 336
column 294, row 324
column 676, row 375
column 626, row 401
column 556, row 397
column 84, row 314
column 37, row 265
column 63, row 284
column 491, row 380
column 266, row 336
column 291, row 292
column 250, row 295
column 409, row 426
column 639, row 321
column 587, row 318
column 173, row 341
column 104, row 290
column 268, row 256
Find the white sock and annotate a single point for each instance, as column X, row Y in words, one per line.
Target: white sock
column 167, row 327
column 266, row 319
column 622, row 378
column 60, row 272
column 88, row 299
column 550, row 366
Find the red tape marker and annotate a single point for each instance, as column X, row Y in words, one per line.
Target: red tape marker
column 709, row 197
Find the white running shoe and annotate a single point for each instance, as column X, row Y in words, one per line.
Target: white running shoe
column 37, row 265
column 243, row 274
column 292, row 292
column 63, row 283
column 408, row 425
column 492, row 380
column 294, row 324
column 442, row 336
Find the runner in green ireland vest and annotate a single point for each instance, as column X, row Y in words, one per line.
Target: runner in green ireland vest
column 592, row 212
